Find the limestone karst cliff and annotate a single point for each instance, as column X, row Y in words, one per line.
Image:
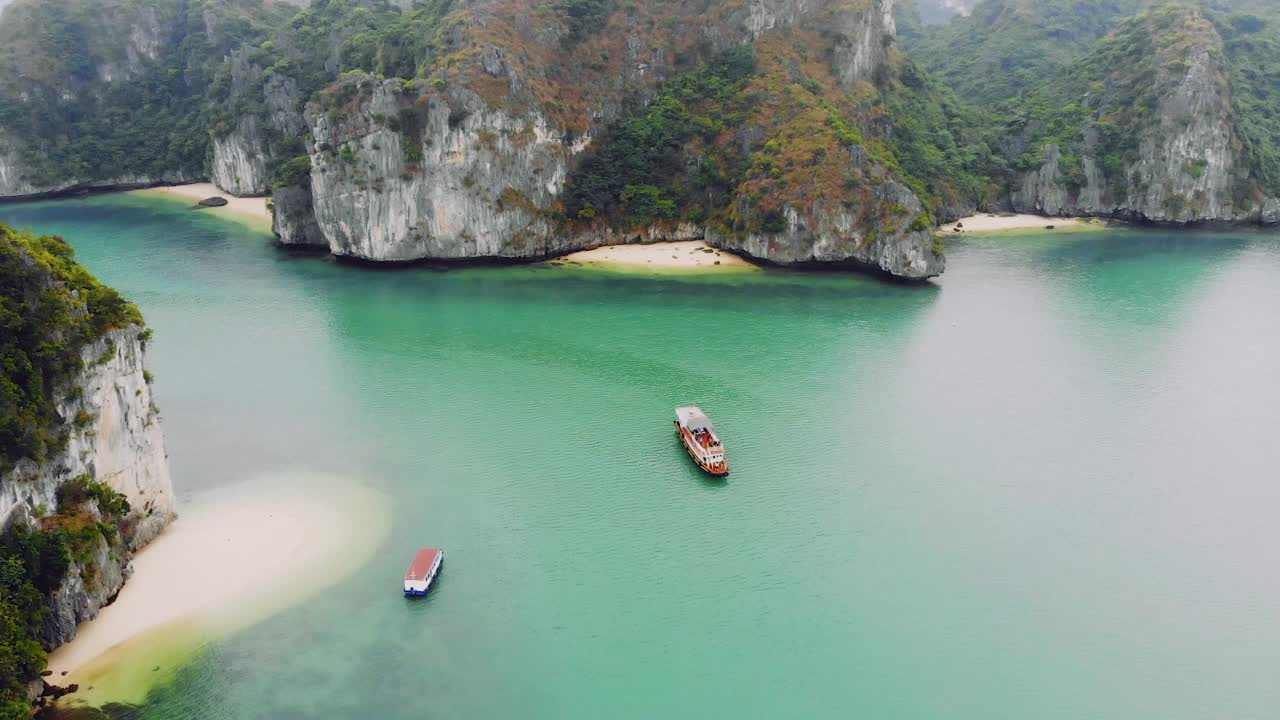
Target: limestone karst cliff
column 453, row 131
column 792, row 131
column 84, row 478
column 1154, row 135
column 477, row 159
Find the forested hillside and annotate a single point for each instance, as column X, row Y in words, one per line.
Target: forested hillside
column 1004, row 48
column 114, row 91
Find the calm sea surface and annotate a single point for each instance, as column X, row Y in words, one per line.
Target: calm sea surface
column 1045, row 486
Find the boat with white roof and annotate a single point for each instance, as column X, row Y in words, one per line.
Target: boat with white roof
column 700, row 440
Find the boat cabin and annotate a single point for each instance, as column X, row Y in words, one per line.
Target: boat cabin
column 423, row 569
column 700, row 440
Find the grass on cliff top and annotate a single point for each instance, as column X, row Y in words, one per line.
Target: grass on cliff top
column 50, row 308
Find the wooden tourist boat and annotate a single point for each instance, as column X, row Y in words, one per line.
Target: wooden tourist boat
column 700, row 440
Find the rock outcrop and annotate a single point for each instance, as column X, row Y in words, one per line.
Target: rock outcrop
column 832, row 235
column 119, row 111
column 293, row 220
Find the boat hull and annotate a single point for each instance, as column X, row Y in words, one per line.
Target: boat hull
column 718, row 472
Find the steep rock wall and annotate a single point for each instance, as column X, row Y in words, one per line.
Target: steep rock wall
column 293, row 219
column 239, row 165
column 477, row 191
column 864, row 42
column 241, row 159
column 826, row 233
column 85, row 590
column 123, row 448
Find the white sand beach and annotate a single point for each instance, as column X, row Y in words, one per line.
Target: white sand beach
column 251, row 209
column 990, row 222
column 233, row 557
column 682, row 255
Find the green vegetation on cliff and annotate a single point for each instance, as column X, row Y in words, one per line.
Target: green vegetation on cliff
column 1097, row 79
column 1253, row 49
column 952, row 148
column 34, row 561
column 738, row 141
column 50, row 308
column 638, row 175
column 1114, row 91
column 93, row 91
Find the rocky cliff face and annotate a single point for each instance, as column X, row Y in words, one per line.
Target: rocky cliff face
column 398, row 175
column 86, row 589
column 270, row 124
column 239, row 163
column 122, row 447
column 1180, row 164
column 293, row 219
column 474, row 162
column 830, row 234
column 471, row 182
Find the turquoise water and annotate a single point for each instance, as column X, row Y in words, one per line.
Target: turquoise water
column 1042, row 487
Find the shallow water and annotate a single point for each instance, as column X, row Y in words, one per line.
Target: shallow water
column 1043, row 486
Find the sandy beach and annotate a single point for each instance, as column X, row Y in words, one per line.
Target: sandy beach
column 988, row 223
column 683, row 255
column 250, row 209
column 234, row 556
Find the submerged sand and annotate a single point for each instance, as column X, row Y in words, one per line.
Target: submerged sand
column 989, row 222
column 251, row 209
column 682, row 255
column 234, row 557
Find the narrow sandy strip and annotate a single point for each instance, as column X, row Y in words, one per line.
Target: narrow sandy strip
column 682, row 255
column 233, row 557
column 987, row 223
column 253, row 209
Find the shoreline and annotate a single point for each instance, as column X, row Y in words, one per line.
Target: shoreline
column 680, row 255
column 252, row 211
column 989, row 223
column 207, row 576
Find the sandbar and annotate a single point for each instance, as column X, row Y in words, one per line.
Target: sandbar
column 234, row 556
column 681, row 255
column 988, row 223
column 253, row 210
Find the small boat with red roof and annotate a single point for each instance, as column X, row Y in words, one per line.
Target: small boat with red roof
column 423, row 569
column 700, row 440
